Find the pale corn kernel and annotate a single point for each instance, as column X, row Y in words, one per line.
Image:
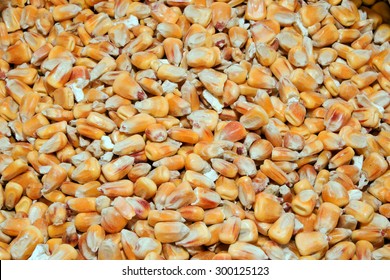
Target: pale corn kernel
column 197, row 236
column 327, row 217
column 372, row 235
column 25, row 243
column 341, row 251
column 282, row 230
column 335, row 193
column 53, row 180
column 180, row 98
column 112, row 221
column 246, row 251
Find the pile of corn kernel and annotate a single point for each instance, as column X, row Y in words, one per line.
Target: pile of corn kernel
column 194, row 129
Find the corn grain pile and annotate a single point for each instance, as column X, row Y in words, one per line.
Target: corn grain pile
column 194, row 129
